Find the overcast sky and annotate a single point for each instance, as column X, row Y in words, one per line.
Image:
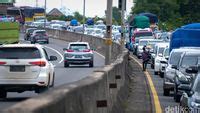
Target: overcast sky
column 93, row 7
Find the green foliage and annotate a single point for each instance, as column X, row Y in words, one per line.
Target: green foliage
column 116, row 16
column 171, row 13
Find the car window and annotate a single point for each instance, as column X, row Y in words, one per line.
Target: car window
column 40, row 32
column 166, row 53
column 174, row 58
column 189, row 61
column 142, row 43
column 161, row 50
column 19, row 53
column 143, row 34
column 78, row 47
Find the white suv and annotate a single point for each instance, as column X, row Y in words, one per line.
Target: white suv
column 78, row 53
column 25, row 67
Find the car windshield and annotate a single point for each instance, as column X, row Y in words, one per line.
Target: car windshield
column 174, row 58
column 19, row 53
column 31, row 30
column 166, row 53
column 40, row 32
column 197, row 85
column 143, row 34
column 189, row 61
column 142, row 43
column 161, row 50
column 78, row 47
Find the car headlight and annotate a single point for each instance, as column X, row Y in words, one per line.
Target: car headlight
column 182, row 77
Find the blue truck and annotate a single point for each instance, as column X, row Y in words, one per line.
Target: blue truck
column 186, row 36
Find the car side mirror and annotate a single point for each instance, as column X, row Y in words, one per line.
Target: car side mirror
column 64, row 49
column 192, row 70
column 52, row 58
column 174, row 67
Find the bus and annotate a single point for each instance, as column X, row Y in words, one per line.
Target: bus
column 17, row 13
column 27, row 14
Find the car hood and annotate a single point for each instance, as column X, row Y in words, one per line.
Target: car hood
column 196, row 97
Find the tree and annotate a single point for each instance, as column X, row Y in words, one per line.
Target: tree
column 116, row 15
column 78, row 16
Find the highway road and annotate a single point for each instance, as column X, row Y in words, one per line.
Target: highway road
column 165, row 101
column 62, row 76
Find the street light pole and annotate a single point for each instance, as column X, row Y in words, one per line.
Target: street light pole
column 45, row 13
column 83, row 16
column 108, row 32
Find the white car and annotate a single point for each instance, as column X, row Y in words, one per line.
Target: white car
column 78, row 53
column 25, row 67
column 163, row 61
column 159, row 49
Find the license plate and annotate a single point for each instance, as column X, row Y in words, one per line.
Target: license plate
column 78, row 56
column 17, row 68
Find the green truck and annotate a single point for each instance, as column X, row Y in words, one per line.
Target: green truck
column 9, row 32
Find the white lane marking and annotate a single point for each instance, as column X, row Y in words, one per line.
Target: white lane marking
column 100, row 54
column 62, row 58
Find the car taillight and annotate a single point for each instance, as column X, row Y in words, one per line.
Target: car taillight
column 87, row 50
column 2, row 63
column 38, row 63
column 70, row 50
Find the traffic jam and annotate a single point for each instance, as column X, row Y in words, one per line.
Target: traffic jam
column 175, row 57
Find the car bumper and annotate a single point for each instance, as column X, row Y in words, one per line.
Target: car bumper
column 168, row 85
column 78, row 61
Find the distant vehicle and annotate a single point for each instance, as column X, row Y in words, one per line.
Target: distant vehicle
column 39, row 35
column 9, row 32
column 17, row 13
column 101, row 26
column 25, row 67
column 141, row 33
column 158, row 51
column 182, row 77
column 73, row 22
column 98, row 33
column 78, row 53
column 28, row 33
column 165, row 36
column 163, row 62
column 89, row 31
column 186, row 36
column 56, row 26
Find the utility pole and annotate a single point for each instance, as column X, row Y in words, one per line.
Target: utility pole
column 45, row 13
column 122, row 24
column 36, row 3
column 83, row 16
column 108, row 32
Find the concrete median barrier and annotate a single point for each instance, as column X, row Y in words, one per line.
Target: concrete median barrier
column 104, row 91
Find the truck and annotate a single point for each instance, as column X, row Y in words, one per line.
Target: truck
column 9, row 32
column 186, row 36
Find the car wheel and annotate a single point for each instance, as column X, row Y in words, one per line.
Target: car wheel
column 52, row 85
column 161, row 74
column 152, row 66
column 166, row 92
column 66, row 64
column 3, row 94
column 91, row 64
column 155, row 72
column 176, row 96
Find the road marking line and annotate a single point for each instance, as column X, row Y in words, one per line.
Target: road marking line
column 100, row 54
column 62, row 58
column 153, row 89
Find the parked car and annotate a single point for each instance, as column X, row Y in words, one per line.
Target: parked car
column 190, row 98
column 25, row 67
column 78, row 53
column 182, row 77
column 174, row 57
column 158, row 52
column 28, row 33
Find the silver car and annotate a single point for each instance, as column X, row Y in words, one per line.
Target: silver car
column 25, row 67
column 78, row 53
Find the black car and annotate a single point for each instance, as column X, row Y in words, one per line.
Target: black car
column 39, row 39
column 28, row 33
column 191, row 97
column 182, row 77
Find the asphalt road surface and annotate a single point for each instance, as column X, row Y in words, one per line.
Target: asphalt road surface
column 165, row 101
column 62, row 76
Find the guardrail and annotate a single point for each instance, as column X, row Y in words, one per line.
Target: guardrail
column 104, row 91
